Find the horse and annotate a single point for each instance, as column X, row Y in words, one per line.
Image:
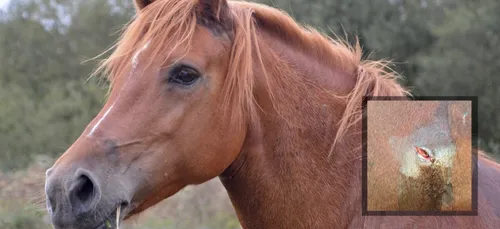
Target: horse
column 430, row 143
column 201, row 89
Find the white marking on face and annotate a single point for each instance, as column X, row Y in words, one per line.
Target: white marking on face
column 100, row 120
column 135, row 59
column 135, row 62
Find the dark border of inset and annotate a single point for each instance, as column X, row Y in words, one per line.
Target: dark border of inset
column 473, row 212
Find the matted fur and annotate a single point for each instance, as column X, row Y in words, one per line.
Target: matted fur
column 168, row 24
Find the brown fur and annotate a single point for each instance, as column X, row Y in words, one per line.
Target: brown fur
column 423, row 193
column 277, row 117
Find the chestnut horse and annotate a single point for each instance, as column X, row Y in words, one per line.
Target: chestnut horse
column 214, row 88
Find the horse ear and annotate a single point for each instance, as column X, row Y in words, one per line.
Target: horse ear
column 140, row 4
column 214, row 15
column 213, row 10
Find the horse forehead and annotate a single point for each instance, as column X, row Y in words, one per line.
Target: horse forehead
column 208, row 43
column 203, row 49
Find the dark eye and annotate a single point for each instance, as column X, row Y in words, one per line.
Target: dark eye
column 183, row 75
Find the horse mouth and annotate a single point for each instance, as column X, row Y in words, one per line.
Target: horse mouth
column 114, row 218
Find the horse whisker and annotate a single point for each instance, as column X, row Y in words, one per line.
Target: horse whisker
column 118, row 217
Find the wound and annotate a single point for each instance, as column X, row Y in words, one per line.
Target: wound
column 423, row 153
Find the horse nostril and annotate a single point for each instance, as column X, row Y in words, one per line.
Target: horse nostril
column 83, row 193
column 86, row 191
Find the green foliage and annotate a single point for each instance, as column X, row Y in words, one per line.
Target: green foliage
column 47, row 100
column 14, row 217
column 441, row 48
column 464, row 61
column 395, row 30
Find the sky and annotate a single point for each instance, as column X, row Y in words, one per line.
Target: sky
column 3, row 3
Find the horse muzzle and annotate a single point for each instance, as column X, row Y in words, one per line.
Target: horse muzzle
column 75, row 200
column 89, row 190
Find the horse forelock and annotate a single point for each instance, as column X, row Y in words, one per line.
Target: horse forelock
column 161, row 26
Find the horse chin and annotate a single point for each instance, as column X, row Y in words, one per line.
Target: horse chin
column 115, row 218
column 138, row 209
column 112, row 219
column 153, row 198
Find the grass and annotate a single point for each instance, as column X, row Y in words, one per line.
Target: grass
column 15, row 214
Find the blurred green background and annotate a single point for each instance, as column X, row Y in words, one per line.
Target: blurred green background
column 441, row 47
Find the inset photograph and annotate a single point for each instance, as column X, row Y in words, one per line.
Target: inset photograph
column 418, row 156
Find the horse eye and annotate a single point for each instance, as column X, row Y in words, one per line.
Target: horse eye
column 183, row 75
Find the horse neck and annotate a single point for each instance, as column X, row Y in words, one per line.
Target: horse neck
column 286, row 154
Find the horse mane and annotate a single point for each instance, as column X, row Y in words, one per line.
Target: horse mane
column 168, row 23
column 374, row 78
